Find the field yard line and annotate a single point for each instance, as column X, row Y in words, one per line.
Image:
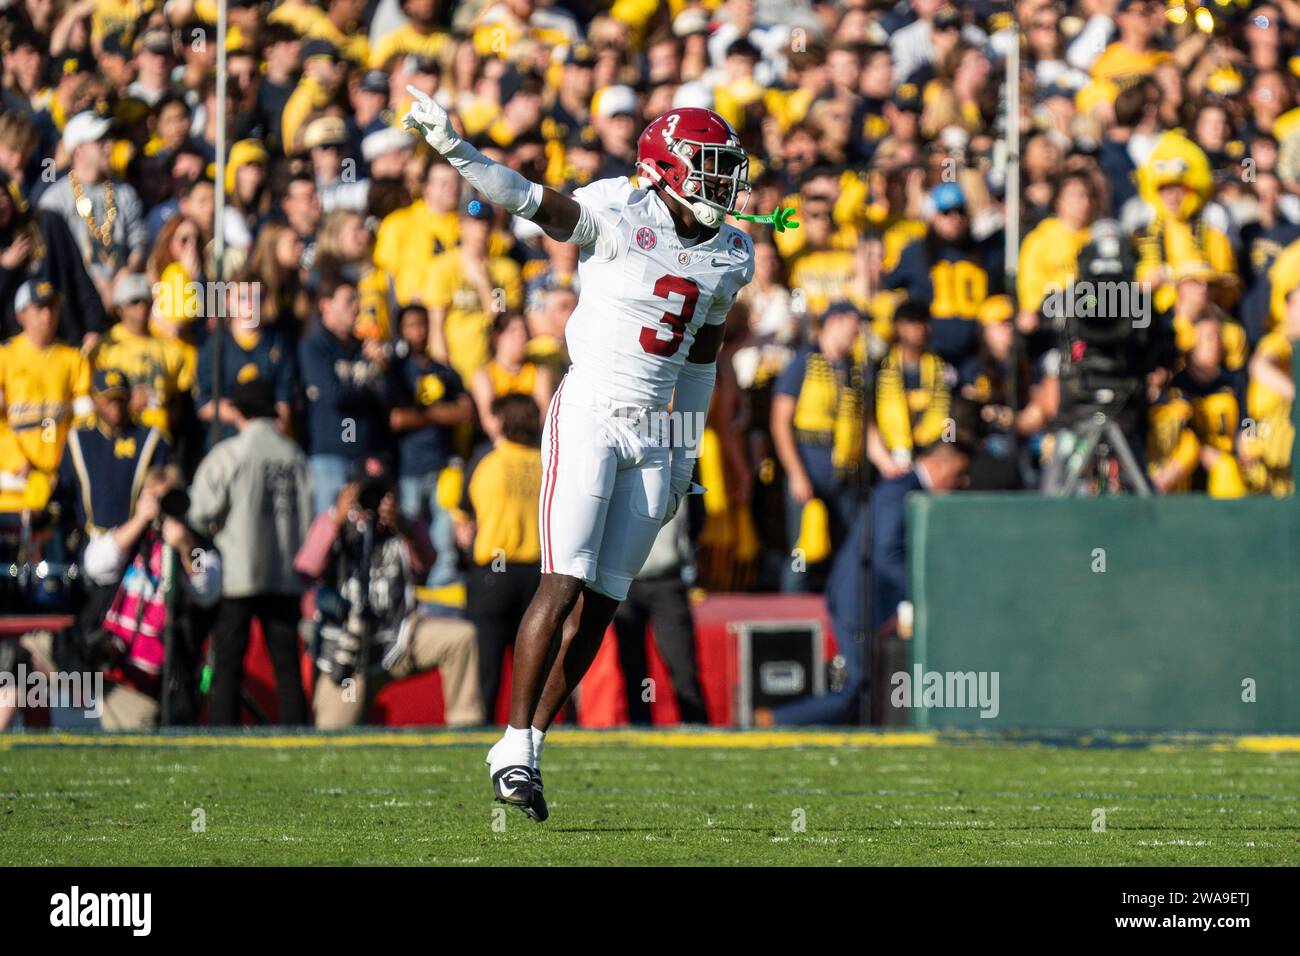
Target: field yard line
column 669, row 739
column 748, row 740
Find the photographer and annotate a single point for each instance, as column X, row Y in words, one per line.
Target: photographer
column 131, row 561
column 253, row 493
column 367, row 560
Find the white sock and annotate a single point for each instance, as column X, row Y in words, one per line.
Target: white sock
column 514, row 749
column 539, row 738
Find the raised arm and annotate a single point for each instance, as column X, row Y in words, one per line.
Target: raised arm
column 559, row 216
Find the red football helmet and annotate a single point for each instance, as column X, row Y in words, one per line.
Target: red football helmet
column 697, row 157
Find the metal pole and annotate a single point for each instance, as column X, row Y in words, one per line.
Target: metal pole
column 218, row 224
column 1012, row 225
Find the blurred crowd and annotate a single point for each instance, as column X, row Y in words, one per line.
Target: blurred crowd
column 393, row 328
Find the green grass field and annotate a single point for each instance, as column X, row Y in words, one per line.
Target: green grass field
column 724, row 799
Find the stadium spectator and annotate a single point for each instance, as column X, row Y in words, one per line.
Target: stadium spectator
column 464, row 289
column 913, row 387
column 952, row 271
column 496, row 522
column 44, row 386
column 37, row 244
column 252, row 349
column 346, row 382
column 253, row 492
column 817, row 431
column 509, row 372
column 369, row 628
column 429, row 404
column 104, row 214
column 105, row 462
column 126, row 631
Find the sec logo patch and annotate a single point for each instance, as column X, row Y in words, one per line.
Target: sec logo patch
column 645, row 238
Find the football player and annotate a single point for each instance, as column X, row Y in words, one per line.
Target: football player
column 659, row 270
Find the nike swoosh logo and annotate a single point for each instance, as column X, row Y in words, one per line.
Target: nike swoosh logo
column 508, row 791
column 715, row 262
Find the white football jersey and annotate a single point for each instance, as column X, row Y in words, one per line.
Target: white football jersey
column 645, row 294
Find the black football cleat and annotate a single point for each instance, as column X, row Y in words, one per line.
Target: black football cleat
column 513, row 785
column 536, row 808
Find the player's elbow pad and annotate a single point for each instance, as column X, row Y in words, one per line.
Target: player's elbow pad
column 499, row 184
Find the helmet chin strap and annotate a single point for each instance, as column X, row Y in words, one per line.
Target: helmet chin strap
column 710, row 217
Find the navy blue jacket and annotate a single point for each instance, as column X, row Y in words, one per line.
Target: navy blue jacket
column 347, row 400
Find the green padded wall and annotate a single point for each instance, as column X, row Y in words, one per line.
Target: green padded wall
column 1197, row 596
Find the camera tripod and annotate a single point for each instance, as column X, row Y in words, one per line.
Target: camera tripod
column 1089, row 443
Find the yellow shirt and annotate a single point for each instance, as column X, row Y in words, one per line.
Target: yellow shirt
column 402, row 41
column 307, row 97
column 1170, row 438
column 506, row 382
column 407, row 242
column 1048, row 256
column 310, row 21
column 41, row 391
column 503, row 491
column 823, row 276
column 1261, row 400
column 1118, row 60
column 155, row 362
column 373, row 322
column 469, row 318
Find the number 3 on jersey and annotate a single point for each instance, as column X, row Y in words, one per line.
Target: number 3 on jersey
column 676, row 321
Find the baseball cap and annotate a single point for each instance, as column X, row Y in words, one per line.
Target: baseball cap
column 691, row 21
column 375, row 81
column 132, row 287
column 325, row 131
column 70, row 64
column 117, row 43
column 387, row 140
column 995, row 310
column 947, row 197
column 415, row 63
column 910, row 311
column 580, row 54
column 155, row 41
column 110, row 383
column 947, row 17
column 34, row 292
column 617, row 100
column 841, row 307
column 86, row 127
column 582, row 137
column 908, row 98
column 1196, row 270
column 319, row 47
column 693, row 94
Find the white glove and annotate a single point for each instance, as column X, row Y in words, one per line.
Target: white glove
column 431, row 120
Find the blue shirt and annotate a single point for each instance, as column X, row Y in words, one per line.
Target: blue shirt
column 268, row 361
column 816, row 449
column 101, row 472
column 347, row 408
column 420, row 382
